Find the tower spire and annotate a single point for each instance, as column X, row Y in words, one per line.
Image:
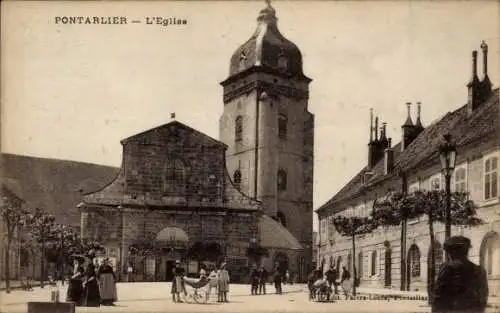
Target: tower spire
column 268, row 14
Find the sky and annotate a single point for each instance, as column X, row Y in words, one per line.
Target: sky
column 74, row 91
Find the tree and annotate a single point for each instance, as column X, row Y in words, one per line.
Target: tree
column 350, row 227
column 13, row 217
column 398, row 208
column 395, row 210
column 433, row 205
column 62, row 241
column 40, row 225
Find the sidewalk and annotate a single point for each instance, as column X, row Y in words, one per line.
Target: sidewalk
column 405, row 295
column 16, row 284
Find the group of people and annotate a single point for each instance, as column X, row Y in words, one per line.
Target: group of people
column 331, row 279
column 91, row 287
column 461, row 286
column 215, row 279
column 259, row 278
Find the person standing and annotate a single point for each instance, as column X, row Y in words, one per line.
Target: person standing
column 254, row 278
column 177, row 283
column 331, row 277
column 91, row 296
column 107, row 283
column 75, row 285
column 277, row 281
column 213, row 277
column 346, row 275
column 461, row 285
column 223, row 283
column 263, row 275
column 130, row 273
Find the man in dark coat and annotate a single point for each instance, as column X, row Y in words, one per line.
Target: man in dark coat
column 331, row 278
column 461, row 286
column 278, row 279
column 254, row 277
column 263, row 275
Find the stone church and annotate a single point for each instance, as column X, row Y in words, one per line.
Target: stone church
column 246, row 199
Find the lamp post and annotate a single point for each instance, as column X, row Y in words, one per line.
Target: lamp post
column 447, row 154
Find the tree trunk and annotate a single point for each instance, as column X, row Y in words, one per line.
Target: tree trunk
column 403, row 256
column 7, row 264
column 354, row 275
column 42, row 264
column 431, row 279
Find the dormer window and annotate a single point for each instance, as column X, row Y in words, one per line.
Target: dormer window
column 282, row 63
column 242, row 61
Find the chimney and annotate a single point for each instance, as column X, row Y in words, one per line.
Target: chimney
column 383, row 138
column 485, row 82
column 372, row 143
column 473, row 86
column 388, row 160
column 418, row 123
column 407, row 129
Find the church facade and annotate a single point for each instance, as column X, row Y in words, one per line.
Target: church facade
column 245, row 200
column 413, row 164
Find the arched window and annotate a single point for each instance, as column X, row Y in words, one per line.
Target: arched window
column 414, row 261
column 331, row 261
column 237, row 179
column 282, row 179
column 175, row 178
column 282, row 126
column 282, row 219
column 490, row 254
column 374, row 263
column 238, row 128
column 339, row 263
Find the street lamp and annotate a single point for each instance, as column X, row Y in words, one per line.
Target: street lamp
column 447, row 154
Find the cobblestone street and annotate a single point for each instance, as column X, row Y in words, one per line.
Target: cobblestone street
column 155, row 297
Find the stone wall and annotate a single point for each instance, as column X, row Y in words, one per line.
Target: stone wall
column 147, row 156
column 119, row 229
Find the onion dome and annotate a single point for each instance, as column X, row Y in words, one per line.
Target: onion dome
column 267, row 48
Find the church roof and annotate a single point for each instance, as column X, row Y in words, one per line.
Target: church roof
column 267, row 48
column 174, row 125
column 274, row 235
column 483, row 125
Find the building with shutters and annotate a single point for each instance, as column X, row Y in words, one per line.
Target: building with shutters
column 413, row 164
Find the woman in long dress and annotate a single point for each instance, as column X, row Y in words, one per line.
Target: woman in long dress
column 75, row 286
column 223, row 283
column 107, row 283
column 177, row 283
column 91, row 296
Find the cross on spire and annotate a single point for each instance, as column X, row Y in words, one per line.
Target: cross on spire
column 268, row 2
column 172, row 115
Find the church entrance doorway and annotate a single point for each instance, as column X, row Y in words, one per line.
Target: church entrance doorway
column 169, row 273
column 281, row 262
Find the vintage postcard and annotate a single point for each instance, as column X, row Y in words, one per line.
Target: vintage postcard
column 250, row 156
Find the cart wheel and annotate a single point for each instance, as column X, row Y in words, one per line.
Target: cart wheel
column 199, row 298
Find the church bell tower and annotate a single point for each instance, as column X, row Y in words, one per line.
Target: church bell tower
column 268, row 128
